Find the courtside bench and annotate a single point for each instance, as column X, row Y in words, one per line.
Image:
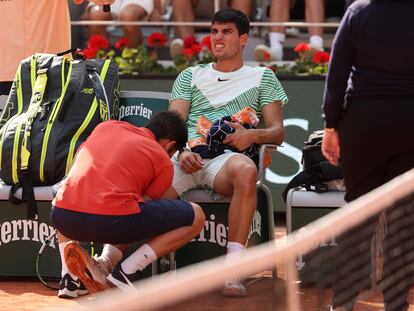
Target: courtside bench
column 302, row 208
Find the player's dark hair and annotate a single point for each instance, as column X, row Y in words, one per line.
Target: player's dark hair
column 169, row 125
column 229, row 15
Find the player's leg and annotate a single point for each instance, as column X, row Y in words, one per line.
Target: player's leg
column 237, row 178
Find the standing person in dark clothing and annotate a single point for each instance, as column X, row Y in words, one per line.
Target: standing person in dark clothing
column 368, row 109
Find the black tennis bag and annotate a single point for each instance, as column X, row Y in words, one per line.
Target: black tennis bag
column 53, row 106
column 316, row 169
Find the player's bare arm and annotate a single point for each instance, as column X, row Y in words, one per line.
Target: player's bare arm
column 272, row 134
column 190, row 162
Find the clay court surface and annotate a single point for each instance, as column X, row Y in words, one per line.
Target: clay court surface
column 28, row 294
column 264, row 294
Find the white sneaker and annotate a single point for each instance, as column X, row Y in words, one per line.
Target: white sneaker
column 103, row 263
column 276, row 52
column 82, row 265
column 234, row 288
column 176, row 47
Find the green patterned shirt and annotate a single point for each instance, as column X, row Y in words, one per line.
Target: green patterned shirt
column 216, row 94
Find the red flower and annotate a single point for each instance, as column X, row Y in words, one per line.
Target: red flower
column 157, row 40
column 189, row 41
column 321, row 57
column 121, row 43
column 98, row 42
column 188, row 52
column 267, row 56
column 89, row 53
column 302, row 47
column 206, row 41
column 196, row 48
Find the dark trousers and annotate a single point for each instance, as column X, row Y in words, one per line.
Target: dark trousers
column 376, row 140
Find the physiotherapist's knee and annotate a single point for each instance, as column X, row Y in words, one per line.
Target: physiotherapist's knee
column 199, row 217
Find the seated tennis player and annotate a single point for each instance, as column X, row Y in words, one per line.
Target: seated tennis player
column 112, row 195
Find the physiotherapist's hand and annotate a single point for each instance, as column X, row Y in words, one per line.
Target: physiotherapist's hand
column 240, row 139
column 190, row 162
column 330, row 146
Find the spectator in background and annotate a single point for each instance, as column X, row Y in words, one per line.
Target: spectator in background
column 32, row 32
column 40, row 26
column 368, row 109
column 186, row 11
column 126, row 11
column 280, row 12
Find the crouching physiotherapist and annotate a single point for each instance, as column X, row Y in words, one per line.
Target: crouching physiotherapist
column 112, row 195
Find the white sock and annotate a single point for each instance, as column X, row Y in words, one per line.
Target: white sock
column 276, row 38
column 64, row 265
column 112, row 253
column 316, row 42
column 235, row 249
column 139, row 260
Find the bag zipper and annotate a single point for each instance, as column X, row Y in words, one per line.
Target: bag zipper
column 85, row 122
column 65, row 82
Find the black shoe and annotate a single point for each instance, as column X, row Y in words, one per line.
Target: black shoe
column 69, row 288
column 122, row 280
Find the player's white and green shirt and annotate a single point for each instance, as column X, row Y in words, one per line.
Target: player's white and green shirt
column 214, row 94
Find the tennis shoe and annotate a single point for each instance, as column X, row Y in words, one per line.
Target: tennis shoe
column 234, row 288
column 82, row 265
column 103, row 263
column 118, row 278
column 69, row 288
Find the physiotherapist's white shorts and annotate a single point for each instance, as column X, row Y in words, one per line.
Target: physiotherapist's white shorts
column 203, row 178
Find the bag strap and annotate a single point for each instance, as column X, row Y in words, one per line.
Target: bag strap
column 100, row 92
column 34, row 108
column 36, row 100
column 27, row 194
column 306, row 179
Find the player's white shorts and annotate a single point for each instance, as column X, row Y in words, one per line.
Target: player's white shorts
column 203, row 178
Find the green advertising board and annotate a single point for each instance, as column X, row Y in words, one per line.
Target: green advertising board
column 302, row 115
